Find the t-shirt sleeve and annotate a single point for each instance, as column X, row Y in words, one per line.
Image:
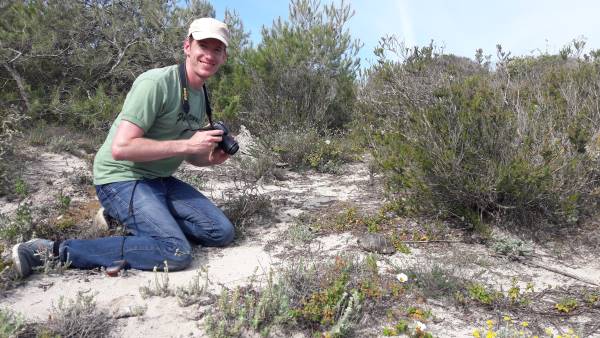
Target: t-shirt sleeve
column 143, row 103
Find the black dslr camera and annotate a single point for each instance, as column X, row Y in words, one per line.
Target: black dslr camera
column 228, row 144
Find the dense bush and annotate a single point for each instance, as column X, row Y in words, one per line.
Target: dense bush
column 510, row 145
column 303, row 70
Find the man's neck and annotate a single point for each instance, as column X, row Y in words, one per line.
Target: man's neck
column 194, row 81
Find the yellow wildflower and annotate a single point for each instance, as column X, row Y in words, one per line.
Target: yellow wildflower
column 507, row 318
column 476, row 333
column 549, row 331
column 490, row 334
column 525, row 324
column 490, row 323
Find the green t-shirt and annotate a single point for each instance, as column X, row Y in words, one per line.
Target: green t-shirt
column 153, row 104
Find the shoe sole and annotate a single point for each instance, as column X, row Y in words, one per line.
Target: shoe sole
column 17, row 260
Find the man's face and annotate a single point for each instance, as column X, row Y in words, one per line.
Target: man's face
column 204, row 57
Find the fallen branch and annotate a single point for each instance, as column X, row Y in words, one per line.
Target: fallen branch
column 434, row 241
column 560, row 272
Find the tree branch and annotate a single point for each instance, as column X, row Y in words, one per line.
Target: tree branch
column 17, row 77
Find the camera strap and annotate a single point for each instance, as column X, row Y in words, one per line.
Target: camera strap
column 185, row 103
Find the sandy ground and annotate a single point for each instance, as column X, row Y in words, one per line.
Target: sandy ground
column 263, row 249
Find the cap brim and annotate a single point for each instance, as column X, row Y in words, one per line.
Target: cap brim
column 204, row 36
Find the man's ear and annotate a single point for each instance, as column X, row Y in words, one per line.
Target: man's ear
column 187, row 45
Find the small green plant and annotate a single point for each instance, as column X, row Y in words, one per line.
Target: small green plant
column 21, row 188
column 592, row 298
column 18, row 227
column 195, row 292
column 62, row 143
column 307, row 148
column 320, row 306
column 326, row 156
column 65, row 222
column 512, row 247
column 399, row 244
column 23, row 215
column 349, row 307
column 63, row 202
column 245, row 207
column 516, row 296
column 566, row 305
column 388, row 332
column 480, row 293
column 417, row 313
column 161, row 284
column 78, row 317
column 437, row 280
column 400, row 328
column 52, row 264
column 11, row 323
column 344, row 220
column 247, row 308
column 300, row 233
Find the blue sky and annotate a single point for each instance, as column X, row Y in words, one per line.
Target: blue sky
column 523, row 27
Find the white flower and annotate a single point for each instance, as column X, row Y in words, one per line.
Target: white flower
column 402, row 277
column 418, row 325
column 327, row 142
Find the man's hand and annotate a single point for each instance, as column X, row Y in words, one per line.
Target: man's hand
column 204, row 142
column 217, row 156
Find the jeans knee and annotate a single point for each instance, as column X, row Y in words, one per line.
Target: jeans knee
column 179, row 261
column 178, row 255
column 227, row 235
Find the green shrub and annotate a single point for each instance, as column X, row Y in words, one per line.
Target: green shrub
column 10, row 323
column 246, row 308
column 325, row 297
column 17, row 227
column 482, row 294
column 78, row 317
column 483, row 148
column 309, row 148
column 245, row 206
column 304, row 69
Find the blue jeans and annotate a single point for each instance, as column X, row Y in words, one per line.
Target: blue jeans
column 160, row 215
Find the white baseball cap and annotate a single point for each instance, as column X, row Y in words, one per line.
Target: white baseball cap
column 207, row 28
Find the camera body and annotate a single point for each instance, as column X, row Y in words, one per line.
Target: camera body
column 228, row 144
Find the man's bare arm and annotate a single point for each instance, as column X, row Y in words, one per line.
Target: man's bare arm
column 130, row 144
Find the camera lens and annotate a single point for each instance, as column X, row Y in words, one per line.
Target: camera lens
column 228, row 144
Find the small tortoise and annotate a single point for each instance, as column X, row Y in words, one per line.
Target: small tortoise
column 376, row 243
